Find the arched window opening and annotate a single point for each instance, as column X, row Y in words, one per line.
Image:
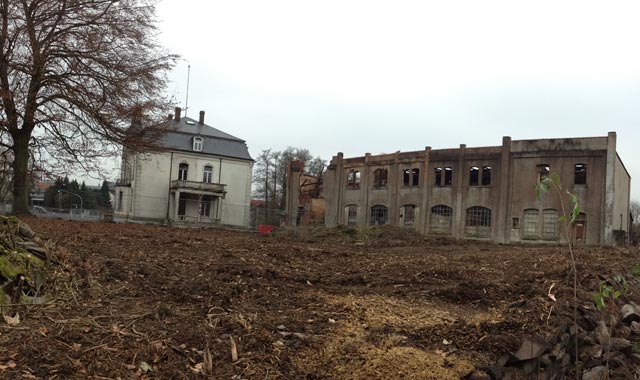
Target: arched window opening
column 530, row 228
column 352, row 215
column 379, row 215
column 408, row 215
column 478, row 222
column 550, row 220
column 440, row 222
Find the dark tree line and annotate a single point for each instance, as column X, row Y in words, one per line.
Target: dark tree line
column 66, row 194
column 270, row 173
column 73, row 76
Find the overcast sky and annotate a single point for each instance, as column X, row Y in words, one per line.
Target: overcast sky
column 381, row 76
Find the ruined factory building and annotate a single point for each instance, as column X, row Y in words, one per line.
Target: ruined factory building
column 486, row 193
column 203, row 178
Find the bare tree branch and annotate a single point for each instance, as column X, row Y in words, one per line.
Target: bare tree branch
column 73, row 76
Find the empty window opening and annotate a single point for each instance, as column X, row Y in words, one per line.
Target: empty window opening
column 380, row 178
column 543, row 171
column 580, row 228
column 183, row 171
column 207, row 174
column 438, row 174
column 379, row 215
column 352, row 215
column 486, row 175
column 478, row 222
column 580, row 177
column 406, row 177
column 197, row 144
column 353, row 180
column 448, row 176
column 440, row 220
column 515, row 223
column 531, row 223
column 410, row 177
column 550, row 220
column 409, row 215
column 182, row 205
column 473, row 176
column 120, row 197
column 415, row 176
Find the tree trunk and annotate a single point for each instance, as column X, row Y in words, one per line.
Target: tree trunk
column 21, row 176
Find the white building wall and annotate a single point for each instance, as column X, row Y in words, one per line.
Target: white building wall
column 153, row 172
column 151, row 186
column 236, row 175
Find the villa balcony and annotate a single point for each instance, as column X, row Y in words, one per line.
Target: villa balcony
column 204, row 187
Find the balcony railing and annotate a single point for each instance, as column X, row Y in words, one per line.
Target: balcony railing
column 200, row 186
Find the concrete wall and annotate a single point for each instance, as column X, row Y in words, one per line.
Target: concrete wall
column 622, row 183
column 590, row 196
column 511, row 191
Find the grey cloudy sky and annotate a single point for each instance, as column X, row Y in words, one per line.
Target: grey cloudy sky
column 381, row 76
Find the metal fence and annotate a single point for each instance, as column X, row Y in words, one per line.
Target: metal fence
column 62, row 213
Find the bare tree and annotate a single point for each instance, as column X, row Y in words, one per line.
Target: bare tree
column 263, row 177
column 270, row 176
column 73, row 74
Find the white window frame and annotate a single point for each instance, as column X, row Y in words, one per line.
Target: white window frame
column 198, row 142
column 207, row 175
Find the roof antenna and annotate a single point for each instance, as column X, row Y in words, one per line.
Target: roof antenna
column 186, row 102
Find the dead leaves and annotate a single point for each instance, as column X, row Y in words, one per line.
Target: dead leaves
column 10, row 365
column 12, row 321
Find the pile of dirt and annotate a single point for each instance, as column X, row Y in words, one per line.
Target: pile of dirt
column 379, row 236
column 24, row 264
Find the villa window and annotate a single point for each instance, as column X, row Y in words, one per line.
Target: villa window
column 207, row 174
column 183, row 171
column 197, row 144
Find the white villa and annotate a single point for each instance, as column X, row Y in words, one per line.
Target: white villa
column 203, row 178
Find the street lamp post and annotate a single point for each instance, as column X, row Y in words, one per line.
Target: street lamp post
column 81, row 205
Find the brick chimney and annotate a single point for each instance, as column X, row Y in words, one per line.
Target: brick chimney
column 201, row 119
column 178, row 112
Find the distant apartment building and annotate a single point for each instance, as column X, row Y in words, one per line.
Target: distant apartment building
column 204, row 177
column 486, row 193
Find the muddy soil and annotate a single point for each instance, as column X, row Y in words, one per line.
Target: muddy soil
column 135, row 301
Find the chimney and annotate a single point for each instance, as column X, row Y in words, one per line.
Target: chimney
column 178, row 112
column 170, row 117
column 201, row 120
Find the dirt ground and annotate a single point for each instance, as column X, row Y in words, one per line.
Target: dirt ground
column 134, row 301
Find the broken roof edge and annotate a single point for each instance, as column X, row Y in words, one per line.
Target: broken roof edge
column 369, row 156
